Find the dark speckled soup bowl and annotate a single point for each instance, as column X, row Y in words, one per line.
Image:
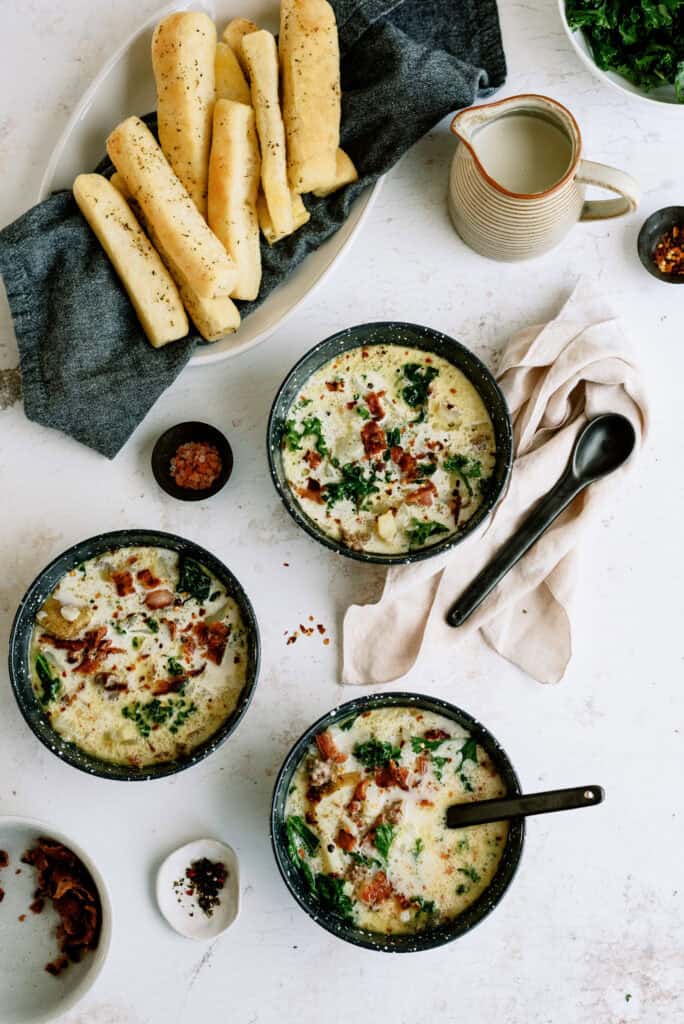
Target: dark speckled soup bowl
column 431, row 937
column 20, row 642
column 412, row 336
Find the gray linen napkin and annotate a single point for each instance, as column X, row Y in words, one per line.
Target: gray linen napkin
column 87, row 368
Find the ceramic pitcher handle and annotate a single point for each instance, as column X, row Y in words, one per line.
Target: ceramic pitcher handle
column 590, row 173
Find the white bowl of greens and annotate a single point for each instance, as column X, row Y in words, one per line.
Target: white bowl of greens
column 637, row 48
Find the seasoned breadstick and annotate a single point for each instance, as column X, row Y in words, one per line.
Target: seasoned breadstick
column 183, row 60
column 345, row 173
column 234, row 170
column 213, row 318
column 150, row 287
column 183, row 233
column 231, row 83
column 310, row 64
column 261, row 55
column 300, row 215
column 234, row 33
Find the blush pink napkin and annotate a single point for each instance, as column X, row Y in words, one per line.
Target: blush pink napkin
column 555, row 378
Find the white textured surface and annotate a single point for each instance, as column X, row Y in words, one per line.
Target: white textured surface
column 595, row 913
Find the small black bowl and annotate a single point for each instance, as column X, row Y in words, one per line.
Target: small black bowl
column 20, row 641
column 413, row 336
column 430, row 938
column 653, row 228
column 169, row 443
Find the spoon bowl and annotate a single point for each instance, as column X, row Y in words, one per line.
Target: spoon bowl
column 603, row 446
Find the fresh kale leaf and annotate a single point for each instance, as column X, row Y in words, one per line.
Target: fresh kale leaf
column 438, row 765
column 467, row 469
column 374, row 753
column 363, row 412
column 174, row 667
column 51, row 684
column 363, row 860
column 310, row 426
column 424, row 906
column 419, row 377
column 152, row 625
column 393, row 436
column 384, row 837
column 348, row 722
column 353, row 486
column 297, row 829
column 470, row 873
column 332, row 897
column 469, row 751
column 419, row 531
column 417, row 848
column 193, row 580
column 419, row 744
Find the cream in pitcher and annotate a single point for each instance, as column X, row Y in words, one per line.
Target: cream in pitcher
column 517, row 182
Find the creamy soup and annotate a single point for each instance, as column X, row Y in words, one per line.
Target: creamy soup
column 138, row 656
column 388, row 449
column 365, row 820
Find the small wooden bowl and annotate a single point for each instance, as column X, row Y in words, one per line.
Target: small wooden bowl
column 169, row 443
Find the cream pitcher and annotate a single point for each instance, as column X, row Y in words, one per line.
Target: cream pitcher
column 517, row 179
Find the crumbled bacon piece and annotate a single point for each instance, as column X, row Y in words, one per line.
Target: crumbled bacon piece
column 345, row 840
column 213, row 636
column 334, row 385
column 174, row 683
column 312, row 491
column 313, row 459
column 327, row 748
column 123, row 581
column 423, row 495
column 171, row 626
column 407, row 463
column 422, row 764
column 64, row 880
column 390, row 775
column 373, row 438
column 378, row 889
column 147, row 579
column 374, row 404
column 96, row 648
column 437, row 734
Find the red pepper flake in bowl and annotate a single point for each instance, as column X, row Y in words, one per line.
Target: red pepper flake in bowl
column 196, row 465
column 668, row 254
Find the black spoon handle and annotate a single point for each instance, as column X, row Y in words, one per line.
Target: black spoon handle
column 544, row 513
column 481, row 811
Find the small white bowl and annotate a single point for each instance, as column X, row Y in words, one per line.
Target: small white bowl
column 28, row 994
column 665, row 94
column 183, row 912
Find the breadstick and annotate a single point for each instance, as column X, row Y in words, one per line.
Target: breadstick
column 231, row 84
column 234, row 33
column 183, row 60
column 310, row 64
column 345, row 173
column 149, row 286
column 261, row 55
column 213, row 318
column 233, row 185
column 300, row 215
column 184, row 234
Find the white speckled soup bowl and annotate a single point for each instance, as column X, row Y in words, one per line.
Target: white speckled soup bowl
column 508, row 226
column 430, row 937
column 28, row 994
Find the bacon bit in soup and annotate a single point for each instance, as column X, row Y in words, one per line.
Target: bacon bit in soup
column 327, row 748
column 147, row 579
column 123, row 581
column 373, row 438
column 377, row 890
column 668, row 255
column 196, row 465
column 345, row 840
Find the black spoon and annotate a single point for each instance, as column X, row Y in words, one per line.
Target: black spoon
column 603, row 446
column 482, row 811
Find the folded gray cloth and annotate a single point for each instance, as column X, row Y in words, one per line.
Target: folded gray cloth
column 87, row 368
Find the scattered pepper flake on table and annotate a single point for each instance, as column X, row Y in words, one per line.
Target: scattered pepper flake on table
column 196, row 465
column 303, row 630
column 668, row 254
